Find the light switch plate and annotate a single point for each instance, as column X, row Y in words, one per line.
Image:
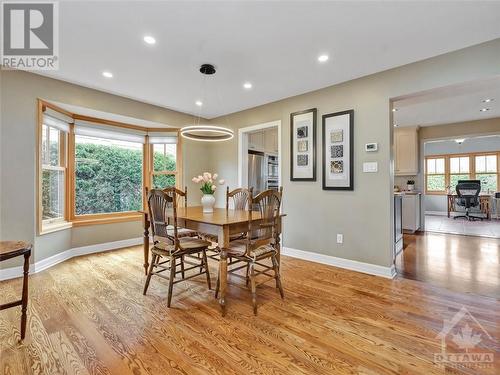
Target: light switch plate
column 370, row 167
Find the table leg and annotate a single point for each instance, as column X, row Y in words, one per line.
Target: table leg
column 449, row 205
column 146, row 245
column 223, row 244
column 24, row 299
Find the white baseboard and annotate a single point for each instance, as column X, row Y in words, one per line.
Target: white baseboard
column 353, row 265
column 436, row 213
column 13, row 272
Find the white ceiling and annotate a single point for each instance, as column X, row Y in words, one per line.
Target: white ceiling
column 274, row 45
column 451, row 104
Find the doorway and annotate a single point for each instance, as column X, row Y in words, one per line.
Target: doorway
column 259, row 156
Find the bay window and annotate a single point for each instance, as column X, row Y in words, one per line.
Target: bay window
column 435, row 175
column 487, row 171
column 95, row 171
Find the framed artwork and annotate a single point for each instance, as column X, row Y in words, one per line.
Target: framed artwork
column 338, row 151
column 303, row 145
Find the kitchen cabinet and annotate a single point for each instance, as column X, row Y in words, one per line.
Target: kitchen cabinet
column 411, row 212
column 271, row 140
column 256, row 141
column 264, row 140
column 406, row 151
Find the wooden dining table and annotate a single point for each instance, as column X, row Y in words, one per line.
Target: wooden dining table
column 221, row 223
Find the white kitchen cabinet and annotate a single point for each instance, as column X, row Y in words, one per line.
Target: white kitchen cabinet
column 256, row 141
column 406, row 151
column 271, row 140
column 411, row 212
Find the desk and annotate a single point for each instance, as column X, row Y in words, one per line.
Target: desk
column 484, row 204
column 222, row 223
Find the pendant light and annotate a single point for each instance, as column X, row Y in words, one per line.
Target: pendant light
column 206, row 133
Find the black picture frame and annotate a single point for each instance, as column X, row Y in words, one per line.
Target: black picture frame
column 313, row 152
column 350, row 154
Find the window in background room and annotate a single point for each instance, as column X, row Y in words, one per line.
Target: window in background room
column 108, row 171
column 164, row 168
column 53, row 169
column 435, row 177
column 487, row 171
column 459, row 170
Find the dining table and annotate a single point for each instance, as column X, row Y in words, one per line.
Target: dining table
column 222, row 223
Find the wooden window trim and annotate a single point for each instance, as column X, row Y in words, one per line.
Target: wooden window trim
column 67, row 157
column 472, row 168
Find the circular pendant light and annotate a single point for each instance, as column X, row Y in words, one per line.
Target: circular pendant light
column 206, row 133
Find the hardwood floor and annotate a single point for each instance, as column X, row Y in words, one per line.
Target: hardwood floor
column 88, row 316
column 464, row 264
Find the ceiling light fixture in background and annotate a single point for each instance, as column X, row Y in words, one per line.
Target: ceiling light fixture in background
column 149, row 39
column 198, row 103
column 323, row 58
column 488, row 100
column 247, row 85
column 107, row 74
column 484, row 109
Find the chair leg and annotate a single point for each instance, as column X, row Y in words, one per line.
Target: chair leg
column 217, row 286
column 150, row 272
column 254, row 288
column 171, row 279
column 207, row 272
column 248, row 272
column 277, row 275
column 182, row 267
column 24, row 299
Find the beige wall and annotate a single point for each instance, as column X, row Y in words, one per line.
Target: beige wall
column 364, row 215
column 19, row 91
column 458, row 129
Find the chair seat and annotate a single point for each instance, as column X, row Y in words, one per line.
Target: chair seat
column 181, row 232
column 187, row 243
column 215, row 238
column 237, row 249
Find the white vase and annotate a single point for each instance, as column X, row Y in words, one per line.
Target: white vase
column 410, row 187
column 208, row 202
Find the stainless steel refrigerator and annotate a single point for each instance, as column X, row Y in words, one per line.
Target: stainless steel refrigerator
column 256, row 171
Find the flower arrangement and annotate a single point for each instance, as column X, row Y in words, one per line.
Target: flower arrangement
column 208, row 182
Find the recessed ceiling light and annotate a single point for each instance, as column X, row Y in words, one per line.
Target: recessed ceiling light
column 484, row 109
column 199, row 103
column 247, row 85
column 107, row 74
column 394, row 110
column 488, row 100
column 323, row 58
column 395, row 125
column 149, row 39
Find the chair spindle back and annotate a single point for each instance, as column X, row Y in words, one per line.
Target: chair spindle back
column 162, row 205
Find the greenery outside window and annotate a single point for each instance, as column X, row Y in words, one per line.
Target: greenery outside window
column 435, row 175
column 53, row 171
column 487, row 171
column 459, row 170
column 108, row 175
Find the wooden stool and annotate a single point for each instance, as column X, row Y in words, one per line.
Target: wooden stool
column 11, row 249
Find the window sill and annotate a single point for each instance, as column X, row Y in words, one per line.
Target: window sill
column 78, row 222
column 54, row 227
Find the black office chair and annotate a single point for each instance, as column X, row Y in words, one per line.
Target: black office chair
column 468, row 196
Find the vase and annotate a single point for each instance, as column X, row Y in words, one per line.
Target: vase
column 208, row 202
column 410, row 187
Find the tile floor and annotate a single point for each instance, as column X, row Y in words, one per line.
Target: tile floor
column 443, row 224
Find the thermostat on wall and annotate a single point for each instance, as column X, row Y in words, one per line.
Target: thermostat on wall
column 370, row 147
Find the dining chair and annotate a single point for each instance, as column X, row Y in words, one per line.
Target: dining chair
column 259, row 243
column 236, row 199
column 181, row 232
column 162, row 206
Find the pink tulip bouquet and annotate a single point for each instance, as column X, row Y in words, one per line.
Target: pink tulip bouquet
column 208, row 182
